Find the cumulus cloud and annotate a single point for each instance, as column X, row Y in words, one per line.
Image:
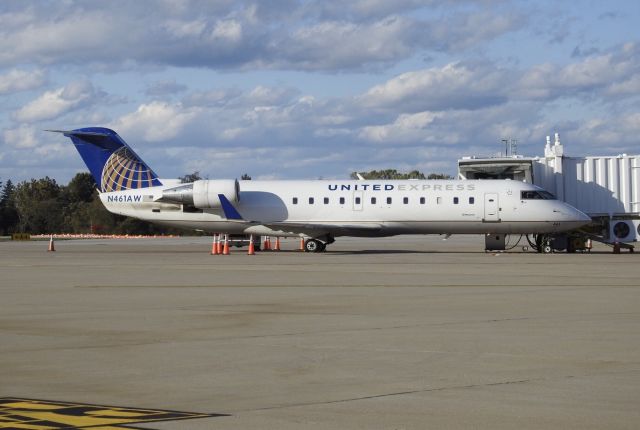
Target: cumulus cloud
column 613, row 135
column 455, row 85
column 55, row 103
column 155, row 121
column 413, row 128
column 336, row 36
column 166, row 87
column 21, row 80
column 609, row 73
column 23, row 137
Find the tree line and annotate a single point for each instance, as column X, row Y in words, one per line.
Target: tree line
column 394, row 174
column 41, row 206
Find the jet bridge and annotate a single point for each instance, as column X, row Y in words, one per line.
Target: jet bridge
column 607, row 188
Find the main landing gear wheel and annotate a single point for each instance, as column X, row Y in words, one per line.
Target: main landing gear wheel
column 314, row 245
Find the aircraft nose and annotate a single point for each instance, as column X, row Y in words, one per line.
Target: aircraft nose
column 586, row 218
column 578, row 216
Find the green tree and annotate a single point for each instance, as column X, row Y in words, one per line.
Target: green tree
column 388, row 174
column 191, row 177
column 245, row 177
column 8, row 212
column 82, row 188
column 76, row 200
column 394, row 174
column 439, row 176
column 38, row 206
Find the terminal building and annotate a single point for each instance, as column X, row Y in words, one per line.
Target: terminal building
column 605, row 187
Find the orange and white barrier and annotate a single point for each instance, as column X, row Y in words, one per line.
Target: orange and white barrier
column 52, row 247
column 102, row 236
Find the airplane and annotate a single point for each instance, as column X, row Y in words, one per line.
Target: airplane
column 317, row 210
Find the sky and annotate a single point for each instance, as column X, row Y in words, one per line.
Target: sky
column 284, row 89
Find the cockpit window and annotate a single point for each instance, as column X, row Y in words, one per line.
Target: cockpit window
column 536, row 195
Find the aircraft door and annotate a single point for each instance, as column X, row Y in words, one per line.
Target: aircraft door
column 357, row 200
column 491, row 208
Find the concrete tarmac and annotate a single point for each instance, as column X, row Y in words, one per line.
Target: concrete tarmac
column 401, row 333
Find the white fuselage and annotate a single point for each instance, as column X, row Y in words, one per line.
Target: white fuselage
column 361, row 208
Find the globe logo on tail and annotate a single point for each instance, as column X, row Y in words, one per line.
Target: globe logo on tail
column 124, row 171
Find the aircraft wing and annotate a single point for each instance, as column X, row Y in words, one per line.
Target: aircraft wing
column 316, row 229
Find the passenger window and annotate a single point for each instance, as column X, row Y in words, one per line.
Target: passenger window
column 326, row 200
column 389, row 200
column 472, row 200
column 295, row 200
column 357, row 200
column 455, row 200
column 405, row 200
column 439, row 200
column 341, row 200
column 422, row 200
column 310, row 200
column 373, row 200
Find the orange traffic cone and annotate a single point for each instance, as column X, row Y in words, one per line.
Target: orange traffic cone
column 219, row 244
column 214, row 245
column 266, row 246
column 225, row 250
column 277, row 248
column 252, row 248
column 301, row 244
column 51, row 246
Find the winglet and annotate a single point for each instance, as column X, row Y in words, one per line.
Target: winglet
column 229, row 211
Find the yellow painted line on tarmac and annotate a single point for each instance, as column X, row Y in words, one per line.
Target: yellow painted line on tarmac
column 31, row 414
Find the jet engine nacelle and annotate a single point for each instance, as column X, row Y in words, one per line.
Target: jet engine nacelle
column 203, row 194
column 206, row 192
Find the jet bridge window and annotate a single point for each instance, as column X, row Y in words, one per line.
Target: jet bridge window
column 536, row 195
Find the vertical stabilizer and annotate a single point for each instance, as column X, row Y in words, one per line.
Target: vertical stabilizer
column 112, row 163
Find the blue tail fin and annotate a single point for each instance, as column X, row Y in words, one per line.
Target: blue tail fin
column 113, row 164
